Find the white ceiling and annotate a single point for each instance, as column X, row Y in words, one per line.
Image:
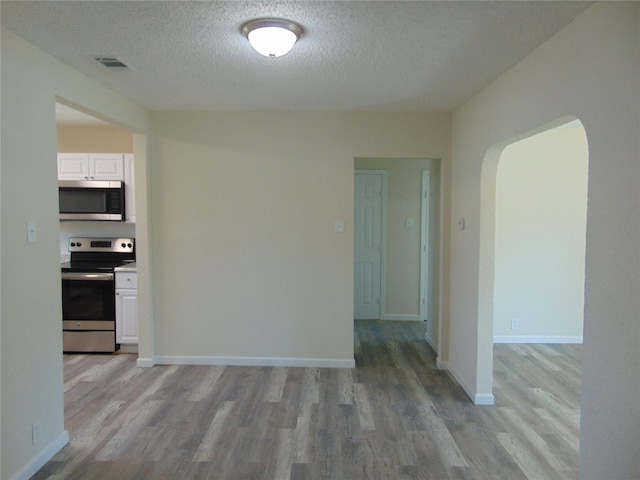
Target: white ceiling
column 354, row 55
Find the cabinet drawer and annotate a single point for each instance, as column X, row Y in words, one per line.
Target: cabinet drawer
column 126, row 280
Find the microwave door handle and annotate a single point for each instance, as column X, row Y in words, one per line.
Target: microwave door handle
column 87, row 276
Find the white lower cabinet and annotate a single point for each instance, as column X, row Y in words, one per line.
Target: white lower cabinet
column 126, row 307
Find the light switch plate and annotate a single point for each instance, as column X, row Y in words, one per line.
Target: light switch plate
column 31, row 232
column 339, row 225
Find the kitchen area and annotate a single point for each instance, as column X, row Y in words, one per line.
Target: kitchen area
column 97, row 234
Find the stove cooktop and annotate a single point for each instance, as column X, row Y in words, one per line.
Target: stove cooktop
column 98, row 266
column 99, row 254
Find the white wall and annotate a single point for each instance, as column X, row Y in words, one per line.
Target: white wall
column 590, row 70
column 243, row 216
column 31, row 345
column 85, row 139
column 541, row 218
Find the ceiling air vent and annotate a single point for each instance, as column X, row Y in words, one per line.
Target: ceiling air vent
column 112, row 63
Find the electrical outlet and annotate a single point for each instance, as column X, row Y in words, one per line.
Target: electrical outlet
column 36, row 432
column 515, row 324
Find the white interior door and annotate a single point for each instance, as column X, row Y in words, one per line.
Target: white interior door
column 368, row 245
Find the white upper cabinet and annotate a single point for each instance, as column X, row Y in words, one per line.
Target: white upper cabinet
column 106, row 166
column 73, row 166
column 90, row 166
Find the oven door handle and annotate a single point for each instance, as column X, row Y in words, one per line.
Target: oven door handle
column 87, row 276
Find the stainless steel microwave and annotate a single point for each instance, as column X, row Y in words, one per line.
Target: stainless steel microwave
column 91, row 200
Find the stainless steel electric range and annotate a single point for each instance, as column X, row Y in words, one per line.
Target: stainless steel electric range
column 88, row 292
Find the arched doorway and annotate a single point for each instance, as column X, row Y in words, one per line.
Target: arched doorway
column 489, row 243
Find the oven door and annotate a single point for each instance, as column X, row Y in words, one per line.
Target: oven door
column 88, row 312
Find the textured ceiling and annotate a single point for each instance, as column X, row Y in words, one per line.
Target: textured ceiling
column 354, row 55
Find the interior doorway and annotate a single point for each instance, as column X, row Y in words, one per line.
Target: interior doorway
column 539, row 279
column 488, row 247
column 83, row 131
column 410, row 270
column 540, row 238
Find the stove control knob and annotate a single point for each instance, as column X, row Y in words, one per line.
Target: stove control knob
column 129, row 245
column 123, row 245
column 78, row 244
column 72, row 244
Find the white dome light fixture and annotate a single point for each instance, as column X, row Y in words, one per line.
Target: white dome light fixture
column 272, row 37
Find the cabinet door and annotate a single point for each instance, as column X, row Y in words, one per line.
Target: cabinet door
column 73, row 166
column 106, row 166
column 129, row 189
column 126, row 316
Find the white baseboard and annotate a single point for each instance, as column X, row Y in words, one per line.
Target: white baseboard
column 400, row 317
column 484, row 399
column 442, row 364
column 477, row 398
column 145, row 362
column 43, row 457
column 255, row 361
column 537, row 339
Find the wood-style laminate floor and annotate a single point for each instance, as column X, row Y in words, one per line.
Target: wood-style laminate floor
column 395, row 416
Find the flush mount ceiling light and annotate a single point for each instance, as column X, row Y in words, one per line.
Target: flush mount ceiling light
column 272, row 37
